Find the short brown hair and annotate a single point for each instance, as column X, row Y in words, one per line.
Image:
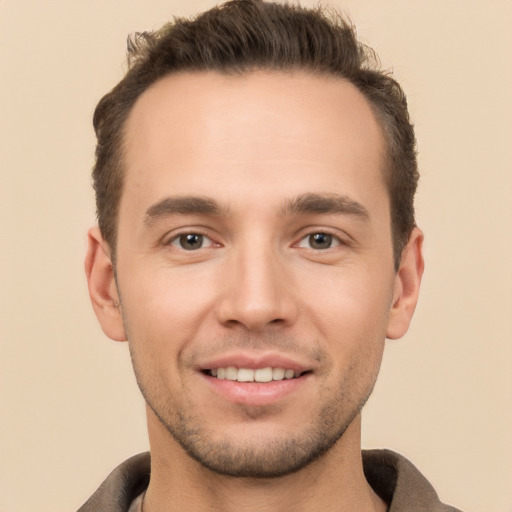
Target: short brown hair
column 240, row 36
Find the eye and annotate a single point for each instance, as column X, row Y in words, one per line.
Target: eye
column 319, row 241
column 191, row 241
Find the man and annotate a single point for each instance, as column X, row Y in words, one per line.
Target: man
column 255, row 177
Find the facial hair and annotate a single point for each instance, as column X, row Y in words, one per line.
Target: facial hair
column 268, row 456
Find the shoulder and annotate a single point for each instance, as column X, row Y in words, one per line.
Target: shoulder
column 121, row 487
column 398, row 482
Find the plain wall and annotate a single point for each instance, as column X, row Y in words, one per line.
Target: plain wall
column 70, row 408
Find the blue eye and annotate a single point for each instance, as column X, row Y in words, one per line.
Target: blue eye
column 319, row 241
column 191, row 241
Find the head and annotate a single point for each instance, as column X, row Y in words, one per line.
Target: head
column 239, row 37
column 255, row 186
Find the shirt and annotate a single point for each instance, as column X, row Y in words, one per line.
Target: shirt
column 392, row 477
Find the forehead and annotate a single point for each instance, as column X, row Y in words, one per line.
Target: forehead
column 208, row 131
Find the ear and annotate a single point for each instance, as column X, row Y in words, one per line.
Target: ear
column 407, row 286
column 102, row 286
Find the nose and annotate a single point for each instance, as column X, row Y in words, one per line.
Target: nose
column 257, row 291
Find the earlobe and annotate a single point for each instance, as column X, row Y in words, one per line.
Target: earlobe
column 102, row 286
column 407, row 286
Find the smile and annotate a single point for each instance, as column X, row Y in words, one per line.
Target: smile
column 267, row 374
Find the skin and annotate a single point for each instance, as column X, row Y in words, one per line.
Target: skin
column 279, row 157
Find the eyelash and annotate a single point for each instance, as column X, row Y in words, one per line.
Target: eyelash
column 332, row 239
column 176, row 240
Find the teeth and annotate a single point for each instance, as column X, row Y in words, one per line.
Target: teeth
column 231, row 373
column 263, row 375
column 278, row 373
column 249, row 375
column 244, row 375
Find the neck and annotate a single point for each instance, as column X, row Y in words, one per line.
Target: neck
column 334, row 482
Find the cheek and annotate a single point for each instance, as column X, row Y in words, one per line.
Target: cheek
column 351, row 316
column 351, row 305
column 166, row 295
column 163, row 311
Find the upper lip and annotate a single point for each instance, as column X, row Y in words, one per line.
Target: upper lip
column 255, row 361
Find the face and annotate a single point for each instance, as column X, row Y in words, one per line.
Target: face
column 254, row 264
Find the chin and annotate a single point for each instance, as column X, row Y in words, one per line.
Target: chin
column 257, row 454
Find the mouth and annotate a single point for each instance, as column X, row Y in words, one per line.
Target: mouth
column 255, row 380
column 261, row 375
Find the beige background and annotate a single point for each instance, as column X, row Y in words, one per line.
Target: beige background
column 70, row 409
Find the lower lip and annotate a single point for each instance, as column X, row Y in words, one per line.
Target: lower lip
column 255, row 393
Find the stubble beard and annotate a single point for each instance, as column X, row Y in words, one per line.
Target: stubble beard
column 266, row 457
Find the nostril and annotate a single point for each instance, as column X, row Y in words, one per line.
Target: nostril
column 255, row 309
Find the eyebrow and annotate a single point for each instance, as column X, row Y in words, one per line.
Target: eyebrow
column 325, row 204
column 182, row 205
column 306, row 203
